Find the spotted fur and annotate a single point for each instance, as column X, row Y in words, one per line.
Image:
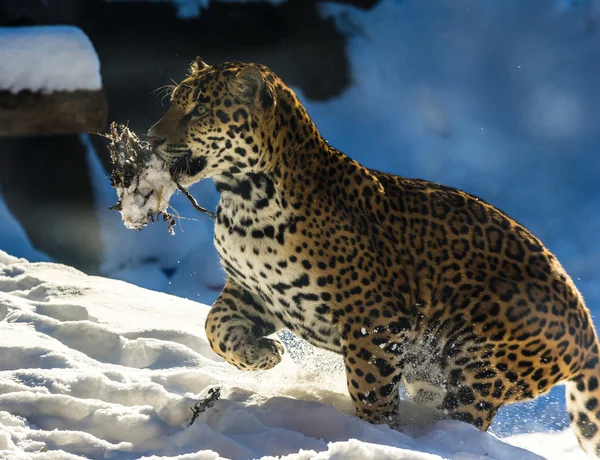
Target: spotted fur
column 409, row 280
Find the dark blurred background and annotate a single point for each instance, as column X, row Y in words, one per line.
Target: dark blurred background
column 499, row 98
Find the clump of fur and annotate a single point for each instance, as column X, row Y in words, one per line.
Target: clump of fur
column 143, row 183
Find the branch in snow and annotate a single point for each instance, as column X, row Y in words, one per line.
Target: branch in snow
column 214, row 394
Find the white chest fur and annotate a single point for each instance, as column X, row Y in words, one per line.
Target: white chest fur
column 256, row 237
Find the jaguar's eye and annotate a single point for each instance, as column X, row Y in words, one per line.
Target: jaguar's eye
column 200, row 111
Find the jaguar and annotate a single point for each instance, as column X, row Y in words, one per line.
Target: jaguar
column 412, row 282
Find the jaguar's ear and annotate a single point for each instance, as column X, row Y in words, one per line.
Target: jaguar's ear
column 197, row 65
column 250, row 86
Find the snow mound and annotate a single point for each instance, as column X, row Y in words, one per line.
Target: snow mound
column 47, row 59
column 97, row 368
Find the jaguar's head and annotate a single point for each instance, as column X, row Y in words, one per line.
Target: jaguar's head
column 221, row 122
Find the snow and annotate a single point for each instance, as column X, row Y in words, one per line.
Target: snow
column 97, row 368
column 47, row 59
column 545, row 444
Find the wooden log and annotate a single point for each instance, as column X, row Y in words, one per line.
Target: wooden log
column 61, row 112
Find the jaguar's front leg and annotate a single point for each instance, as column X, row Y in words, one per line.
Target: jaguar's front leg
column 236, row 327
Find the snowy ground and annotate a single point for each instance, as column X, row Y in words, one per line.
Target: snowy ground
column 98, row 368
